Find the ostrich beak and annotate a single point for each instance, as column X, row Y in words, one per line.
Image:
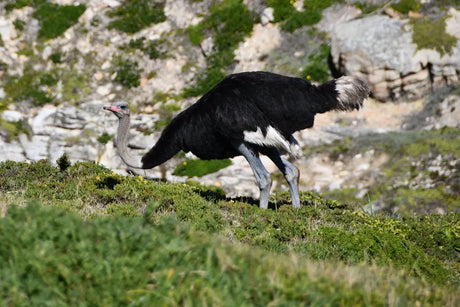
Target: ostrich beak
column 112, row 108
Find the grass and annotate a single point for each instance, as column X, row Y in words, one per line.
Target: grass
column 199, row 168
column 95, row 237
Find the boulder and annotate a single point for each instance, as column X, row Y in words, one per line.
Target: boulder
column 380, row 49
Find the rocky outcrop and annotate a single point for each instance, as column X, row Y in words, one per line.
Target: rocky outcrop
column 380, row 49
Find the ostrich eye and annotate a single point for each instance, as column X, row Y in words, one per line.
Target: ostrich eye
column 122, row 107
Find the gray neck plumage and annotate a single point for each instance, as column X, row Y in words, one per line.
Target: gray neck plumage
column 122, row 144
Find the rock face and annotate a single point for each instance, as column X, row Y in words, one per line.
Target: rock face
column 380, row 49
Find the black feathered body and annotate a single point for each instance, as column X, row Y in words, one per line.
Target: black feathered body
column 241, row 103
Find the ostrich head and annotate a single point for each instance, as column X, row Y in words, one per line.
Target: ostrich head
column 120, row 109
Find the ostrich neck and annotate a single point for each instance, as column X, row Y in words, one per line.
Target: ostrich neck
column 122, row 143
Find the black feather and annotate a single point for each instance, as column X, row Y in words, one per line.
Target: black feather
column 212, row 127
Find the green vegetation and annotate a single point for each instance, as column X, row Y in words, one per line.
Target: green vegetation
column 199, row 168
column 405, row 6
column 134, row 15
column 317, row 68
column 284, row 11
column 33, row 86
column 100, row 238
column 56, row 19
column 150, row 48
column 368, row 7
column 431, row 34
column 104, row 138
column 17, row 4
column 19, row 24
column 40, row 87
column 166, row 111
column 228, row 22
column 127, row 72
column 56, row 57
column 12, row 130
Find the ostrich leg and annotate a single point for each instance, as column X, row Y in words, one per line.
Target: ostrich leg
column 262, row 175
column 291, row 173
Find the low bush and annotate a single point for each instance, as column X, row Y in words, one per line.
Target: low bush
column 134, row 15
column 127, row 72
column 56, row 19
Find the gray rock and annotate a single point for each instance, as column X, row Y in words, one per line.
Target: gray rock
column 380, row 49
column 36, row 148
column 12, row 116
column 11, row 151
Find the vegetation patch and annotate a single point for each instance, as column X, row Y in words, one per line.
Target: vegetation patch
column 228, row 23
column 56, row 19
column 151, row 48
column 428, row 33
column 127, row 72
column 317, row 68
column 12, row 130
column 199, row 168
column 292, row 19
column 135, row 15
column 406, row 6
column 104, row 138
column 33, row 86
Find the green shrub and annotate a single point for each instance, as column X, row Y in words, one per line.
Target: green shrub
column 317, row 68
column 56, row 19
column 19, row 24
column 300, row 19
column 284, row 11
column 405, row 6
column 18, row 4
column 63, row 162
column 150, row 48
column 104, row 138
column 127, row 72
column 134, row 15
column 199, row 168
column 56, row 57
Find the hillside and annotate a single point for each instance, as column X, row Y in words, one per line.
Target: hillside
column 81, row 235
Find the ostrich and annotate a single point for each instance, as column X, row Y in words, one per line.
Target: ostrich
column 247, row 114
